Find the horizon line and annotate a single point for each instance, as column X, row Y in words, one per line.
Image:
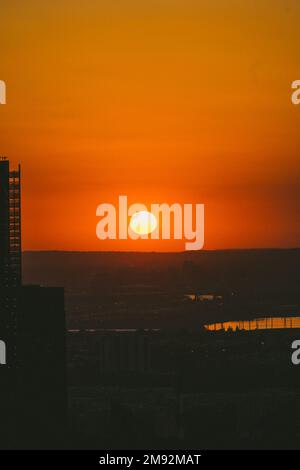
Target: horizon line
column 163, row 252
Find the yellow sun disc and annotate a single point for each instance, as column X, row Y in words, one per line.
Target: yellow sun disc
column 143, row 222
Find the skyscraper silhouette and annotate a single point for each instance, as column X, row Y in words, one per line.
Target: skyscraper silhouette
column 32, row 335
column 10, row 225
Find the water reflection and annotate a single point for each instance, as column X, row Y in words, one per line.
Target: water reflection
column 269, row 323
column 203, row 297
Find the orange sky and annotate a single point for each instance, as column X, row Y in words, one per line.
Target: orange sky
column 162, row 100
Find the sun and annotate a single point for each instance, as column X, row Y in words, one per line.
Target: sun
column 143, row 223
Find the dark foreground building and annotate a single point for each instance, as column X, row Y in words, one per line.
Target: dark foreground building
column 32, row 340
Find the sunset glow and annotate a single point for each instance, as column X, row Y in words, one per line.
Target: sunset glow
column 175, row 101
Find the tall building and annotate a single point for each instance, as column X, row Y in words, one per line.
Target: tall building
column 32, row 332
column 10, row 256
column 10, row 225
